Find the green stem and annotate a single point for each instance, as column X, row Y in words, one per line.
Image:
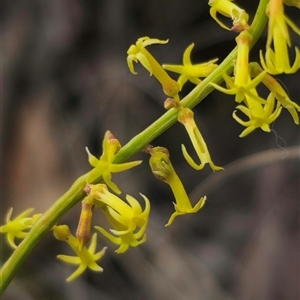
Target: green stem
column 75, row 193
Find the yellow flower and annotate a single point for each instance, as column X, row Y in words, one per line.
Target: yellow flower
column 258, row 115
column 139, row 53
column 105, row 166
column 189, row 71
column 86, row 257
column 228, row 9
column 129, row 215
column 18, row 227
column 277, row 61
column 274, row 86
column 122, row 236
column 242, row 84
column 163, row 170
column 186, row 117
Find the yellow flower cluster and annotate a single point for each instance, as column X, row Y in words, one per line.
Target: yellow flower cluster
column 188, row 72
column 261, row 113
column 127, row 220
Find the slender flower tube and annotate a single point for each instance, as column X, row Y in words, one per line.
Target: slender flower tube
column 186, row 117
column 162, row 169
column 130, row 214
column 230, row 10
column 274, row 86
column 242, row 83
column 189, row 71
column 277, row 61
column 18, row 227
column 105, row 166
column 139, row 53
column 86, row 257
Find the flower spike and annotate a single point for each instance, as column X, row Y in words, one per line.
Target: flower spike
column 139, row 53
column 277, row 61
column 86, row 257
column 231, row 10
column 18, row 227
column 105, row 166
column 162, row 169
column 186, row 117
column 189, row 71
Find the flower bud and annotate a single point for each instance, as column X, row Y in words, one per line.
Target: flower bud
column 61, row 232
column 83, row 232
column 160, row 163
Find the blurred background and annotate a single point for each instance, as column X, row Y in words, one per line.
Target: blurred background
column 65, row 82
